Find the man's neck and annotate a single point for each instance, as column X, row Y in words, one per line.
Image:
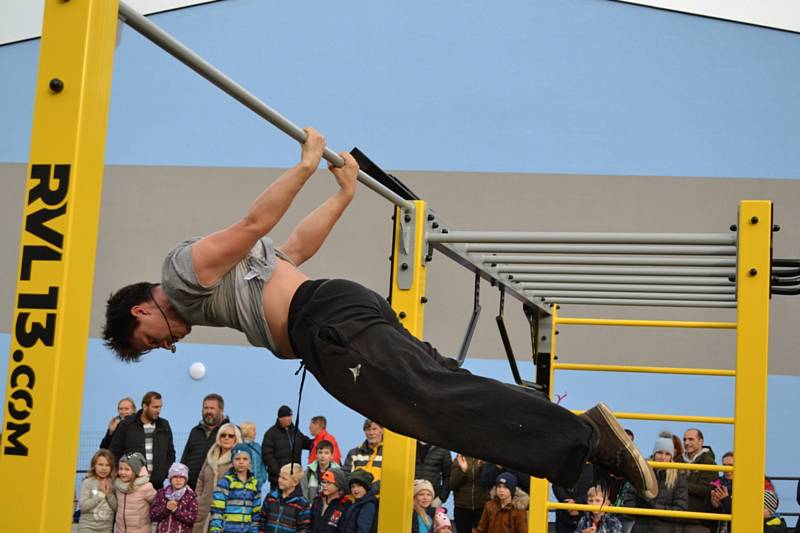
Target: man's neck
column 145, row 419
column 693, row 455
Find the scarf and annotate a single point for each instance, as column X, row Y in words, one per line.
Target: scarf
column 128, row 488
column 175, row 495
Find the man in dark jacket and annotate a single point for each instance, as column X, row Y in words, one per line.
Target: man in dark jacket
column 149, row 434
column 203, row 435
column 697, row 481
column 281, row 445
column 567, row 521
column 433, row 464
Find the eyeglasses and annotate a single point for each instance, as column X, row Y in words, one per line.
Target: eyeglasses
column 227, row 436
column 172, row 340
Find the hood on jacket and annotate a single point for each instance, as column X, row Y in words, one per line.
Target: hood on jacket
column 521, row 500
column 703, row 451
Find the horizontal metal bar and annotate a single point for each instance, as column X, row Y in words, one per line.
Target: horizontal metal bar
column 590, row 278
column 185, row 55
column 671, row 418
column 617, row 270
column 539, row 259
column 633, row 249
column 644, row 369
column 634, row 295
column 690, row 466
column 638, row 511
column 641, row 303
column 621, row 287
column 533, row 237
column 567, row 321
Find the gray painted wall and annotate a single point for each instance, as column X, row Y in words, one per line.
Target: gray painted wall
column 146, row 210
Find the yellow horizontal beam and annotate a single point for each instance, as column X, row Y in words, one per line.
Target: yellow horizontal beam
column 645, row 369
column 644, row 323
column 637, row 511
column 691, row 466
column 671, row 418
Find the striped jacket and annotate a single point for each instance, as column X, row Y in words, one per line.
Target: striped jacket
column 235, row 504
column 285, row 515
column 366, row 458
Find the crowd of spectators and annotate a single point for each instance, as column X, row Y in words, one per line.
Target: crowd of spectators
column 227, row 482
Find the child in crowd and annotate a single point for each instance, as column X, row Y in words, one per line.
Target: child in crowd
column 505, row 512
column 175, row 506
column 97, row 501
column 362, row 517
column 598, row 522
column 237, row 499
column 329, row 507
column 441, row 522
column 772, row 522
column 422, row 519
column 314, row 472
column 134, row 494
column 285, row 510
column 257, row 466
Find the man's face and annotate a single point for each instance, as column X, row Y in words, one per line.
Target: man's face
column 728, row 461
column 374, row 434
column 125, row 408
column 152, row 331
column 285, row 421
column 314, row 428
column 324, row 456
column 692, row 442
column 153, row 410
column 212, row 413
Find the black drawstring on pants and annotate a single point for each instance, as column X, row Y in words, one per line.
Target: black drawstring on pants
column 297, row 415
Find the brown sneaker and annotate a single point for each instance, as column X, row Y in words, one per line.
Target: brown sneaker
column 616, row 452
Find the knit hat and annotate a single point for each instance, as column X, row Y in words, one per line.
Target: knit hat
column 134, row 460
column 241, row 448
column 337, row 477
column 441, row 520
column 509, row 480
column 362, row 477
column 284, row 410
column 771, row 501
column 423, row 484
column 178, row 470
column 664, row 443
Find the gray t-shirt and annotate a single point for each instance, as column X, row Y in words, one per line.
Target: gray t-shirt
column 235, row 301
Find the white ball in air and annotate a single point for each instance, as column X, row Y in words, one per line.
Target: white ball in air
column 197, row 370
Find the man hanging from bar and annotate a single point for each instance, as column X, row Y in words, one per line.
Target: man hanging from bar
column 351, row 340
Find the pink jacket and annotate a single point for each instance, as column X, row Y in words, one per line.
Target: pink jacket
column 133, row 505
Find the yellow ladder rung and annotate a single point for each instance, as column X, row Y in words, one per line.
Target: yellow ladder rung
column 644, row 323
column 691, row 466
column 638, row 511
column 671, row 418
column 645, row 369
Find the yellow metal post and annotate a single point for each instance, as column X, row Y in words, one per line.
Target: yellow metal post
column 57, row 253
column 540, row 488
column 399, row 452
column 752, row 332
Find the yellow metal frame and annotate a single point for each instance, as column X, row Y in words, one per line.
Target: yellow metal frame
column 752, row 330
column 41, row 425
column 399, row 452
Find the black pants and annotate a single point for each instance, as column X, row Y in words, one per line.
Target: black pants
column 467, row 519
column 350, row 339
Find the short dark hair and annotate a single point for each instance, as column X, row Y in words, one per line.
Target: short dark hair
column 368, row 423
column 215, row 396
column 325, row 445
column 727, row 454
column 320, row 421
column 120, row 323
column 699, row 433
column 149, row 397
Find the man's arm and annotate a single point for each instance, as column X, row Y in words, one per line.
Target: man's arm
column 312, row 231
column 217, row 253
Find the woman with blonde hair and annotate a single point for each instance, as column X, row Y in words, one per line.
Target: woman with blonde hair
column 218, row 461
column 673, row 494
column 97, row 500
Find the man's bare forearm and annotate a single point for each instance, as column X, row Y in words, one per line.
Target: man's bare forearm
column 270, row 206
column 309, row 235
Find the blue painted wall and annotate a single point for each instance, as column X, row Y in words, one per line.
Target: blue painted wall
column 586, row 86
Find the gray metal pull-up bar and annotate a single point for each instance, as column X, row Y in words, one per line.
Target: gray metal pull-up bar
column 151, row 31
column 632, row 249
column 607, row 260
column 528, row 237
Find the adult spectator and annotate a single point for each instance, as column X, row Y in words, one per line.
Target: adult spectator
column 282, row 444
column 433, row 464
column 369, row 455
column 218, row 461
column 567, row 521
column 149, row 434
column 468, row 495
column 672, row 493
column 721, row 492
column 490, row 472
column 698, row 482
column 203, row 435
column 125, row 408
column 318, row 427
column 248, row 430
